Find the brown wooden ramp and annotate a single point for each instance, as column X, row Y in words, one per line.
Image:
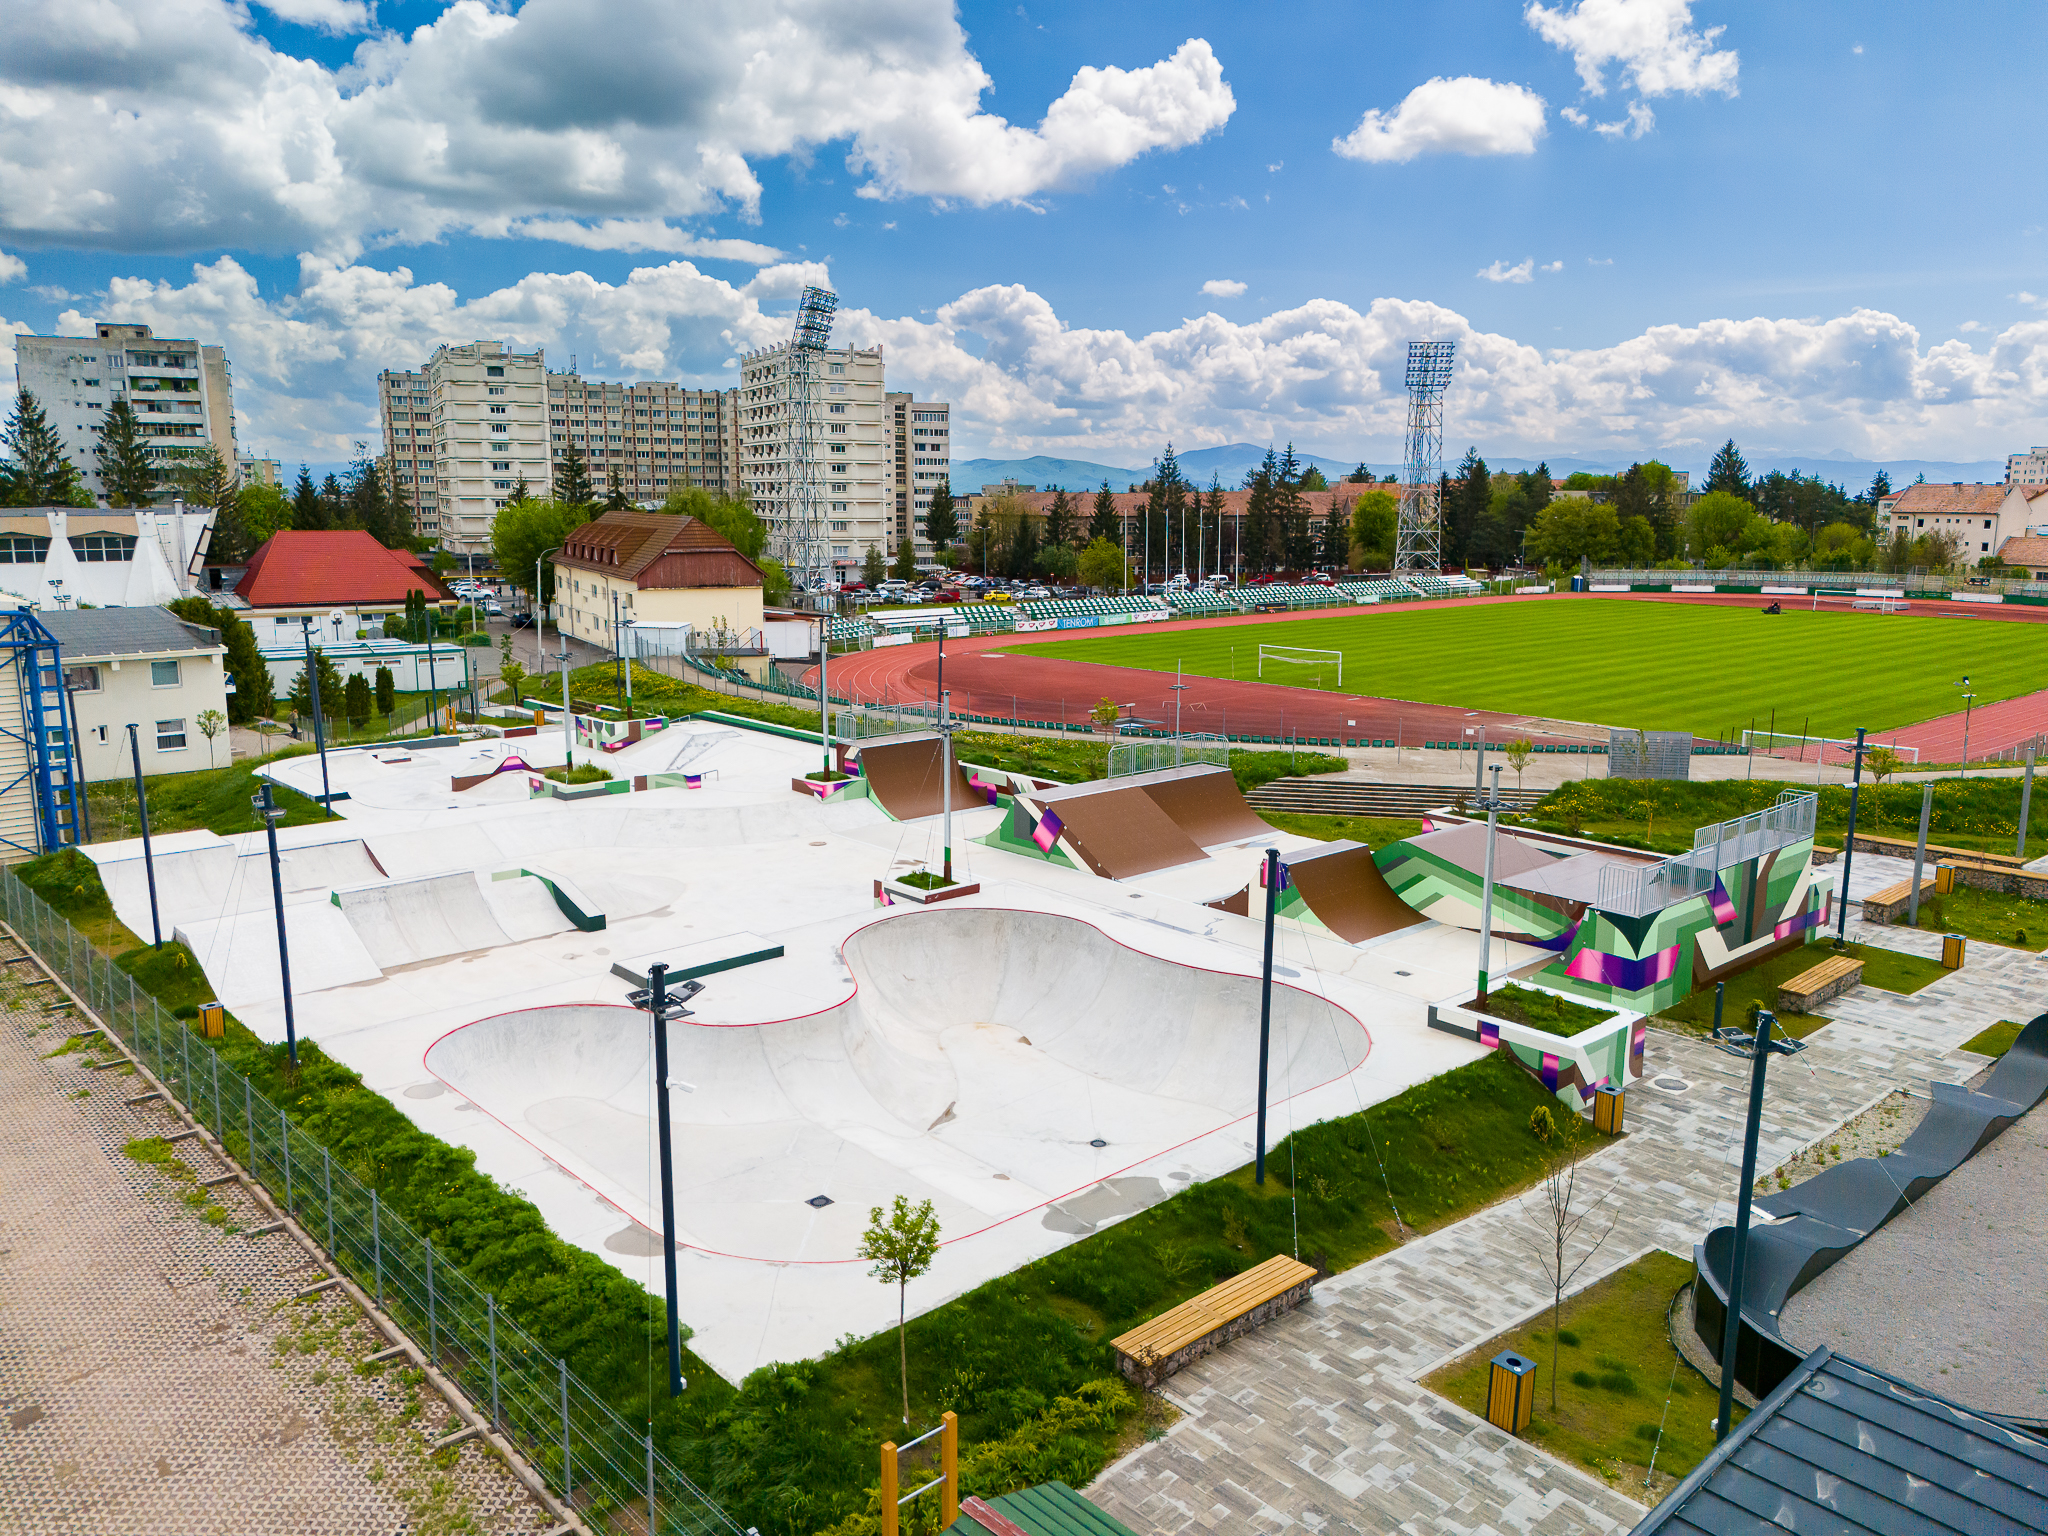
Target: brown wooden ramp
column 1120, row 832
column 1343, row 886
column 905, row 777
column 1206, row 803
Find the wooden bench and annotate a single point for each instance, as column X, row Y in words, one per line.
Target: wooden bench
column 1816, row 984
column 1891, row 904
column 1153, row 1351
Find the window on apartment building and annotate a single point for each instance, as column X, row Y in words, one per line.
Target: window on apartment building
column 497, row 410
column 170, row 735
column 163, row 674
column 96, row 548
column 495, row 389
column 838, row 410
column 494, row 373
column 24, row 549
column 82, row 679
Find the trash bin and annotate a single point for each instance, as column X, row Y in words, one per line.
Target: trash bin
column 1944, row 879
column 1952, row 951
column 540, row 717
column 1608, row 1101
column 213, row 1020
column 1510, row 1391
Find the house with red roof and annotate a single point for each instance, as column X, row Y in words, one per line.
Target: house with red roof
column 317, row 571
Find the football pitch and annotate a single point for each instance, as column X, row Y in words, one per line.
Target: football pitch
column 1651, row 666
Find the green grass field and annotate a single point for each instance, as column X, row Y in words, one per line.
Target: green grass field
column 1653, row 666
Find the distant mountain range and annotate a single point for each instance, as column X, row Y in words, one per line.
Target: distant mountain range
column 1235, row 460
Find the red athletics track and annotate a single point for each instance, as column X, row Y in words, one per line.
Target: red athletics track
column 1016, row 684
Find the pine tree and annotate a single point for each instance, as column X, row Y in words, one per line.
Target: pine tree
column 1880, row 487
column 306, row 513
column 254, row 696
column 1336, row 543
column 1103, row 522
column 1212, row 523
column 214, row 484
column 873, row 567
column 1290, row 513
column 1729, row 472
column 301, row 696
column 355, row 696
column 615, row 491
column 1059, row 519
column 333, row 503
column 572, row 480
column 1461, row 514
column 369, row 507
column 1360, row 475
column 387, row 692
column 37, row 473
column 1261, row 535
column 128, row 465
column 942, row 518
column 906, row 561
column 519, row 490
column 1024, row 545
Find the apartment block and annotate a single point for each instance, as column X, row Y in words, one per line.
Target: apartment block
column 855, row 446
column 2029, row 468
column 921, row 458
column 460, row 433
column 181, row 391
column 255, row 471
column 659, row 436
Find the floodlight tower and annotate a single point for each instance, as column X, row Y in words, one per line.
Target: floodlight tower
column 1418, row 537
column 803, row 530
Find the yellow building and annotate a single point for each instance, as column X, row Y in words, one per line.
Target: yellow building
column 653, row 568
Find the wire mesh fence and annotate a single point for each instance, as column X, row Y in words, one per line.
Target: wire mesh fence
column 1128, row 757
column 598, row 1464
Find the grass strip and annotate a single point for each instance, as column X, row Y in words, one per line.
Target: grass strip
column 1886, row 969
column 1995, row 1041
column 1540, row 1010
column 2017, row 922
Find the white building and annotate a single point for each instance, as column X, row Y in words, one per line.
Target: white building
column 2029, row 468
column 460, row 433
column 179, row 389
column 922, row 457
column 143, row 667
column 414, row 668
column 854, row 443
column 658, row 435
column 57, row 557
column 255, row 471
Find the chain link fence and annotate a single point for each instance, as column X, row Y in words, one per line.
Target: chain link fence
column 597, row 1464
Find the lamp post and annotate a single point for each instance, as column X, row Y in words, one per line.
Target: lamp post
column 946, row 783
column 313, row 690
column 1275, row 875
column 81, row 810
column 1492, row 803
column 662, row 1005
column 156, row 926
column 1849, row 841
column 1968, row 698
column 271, row 812
column 1757, row 1051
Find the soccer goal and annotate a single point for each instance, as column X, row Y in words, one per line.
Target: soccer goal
column 1829, row 749
column 1869, row 599
column 1302, row 656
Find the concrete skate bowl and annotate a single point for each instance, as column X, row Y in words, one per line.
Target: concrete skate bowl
column 1008, row 1066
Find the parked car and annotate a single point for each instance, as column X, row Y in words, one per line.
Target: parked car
column 522, row 621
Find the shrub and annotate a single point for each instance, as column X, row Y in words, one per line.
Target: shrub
column 1542, row 1123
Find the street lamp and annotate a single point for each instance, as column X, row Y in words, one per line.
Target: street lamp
column 1757, row 1051
column 1968, row 698
column 1492, row 803
column 661, row 1005
column 319, row 725
column 272, row 813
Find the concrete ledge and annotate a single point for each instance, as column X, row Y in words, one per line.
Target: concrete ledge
column 896, row 892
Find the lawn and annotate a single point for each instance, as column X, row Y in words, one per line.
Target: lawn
column 1886, row 969
column 1540, row 1010
column 1615, row 1371
column 216, row 799
column 1650, row 665
column 1373, row 831
column 1995, row 1041
column 2017, row 922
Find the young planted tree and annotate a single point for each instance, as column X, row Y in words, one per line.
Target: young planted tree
column 211, row 723
column 355, row 697
column 1556, row 1215
column 37, row 474
column 1518, row 754
column 128, row 464
column 514, row 676
column 899, row 1245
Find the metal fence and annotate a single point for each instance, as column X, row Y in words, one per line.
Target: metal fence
column 1128, row 757
column 1640, row 889
column 609, row 1472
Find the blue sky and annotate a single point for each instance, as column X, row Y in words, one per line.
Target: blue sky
column 1812, row 227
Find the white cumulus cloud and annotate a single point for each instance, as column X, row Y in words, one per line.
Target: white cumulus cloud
column 1223, row 288
column 1523, row 271
column 1465, row 116
column 337, row 16
column 129, row 124
column 1640, row 120
column 12, row 268
column 1653, row 41
column 1551, row 266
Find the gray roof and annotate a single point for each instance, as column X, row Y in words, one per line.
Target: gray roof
column 1841, row 1448
column 125, row 632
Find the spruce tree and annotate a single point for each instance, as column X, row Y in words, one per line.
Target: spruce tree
column 1291, row 513
column 128, row 465
column 1103, row 522
column 306, row 502
column 906, row 561
column 333, row 503
column 387, row 692
column 572, row 480
column 301, row 695
column 942, row 518
column 1024, row 545
column 1729, row 472
column 1059, row 519
column 873, row 567
column 254, row 695
column 1260, row 534
column 37, row 474
column 615, row 491
column 213, row 483
column 355, row 695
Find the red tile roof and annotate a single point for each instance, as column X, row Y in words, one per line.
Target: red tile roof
column 339, row 568
column 1947, row 499
column 658, row 550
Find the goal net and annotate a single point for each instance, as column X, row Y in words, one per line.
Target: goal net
column 1283, row 657
column 1870, row 599
column 1829, row 749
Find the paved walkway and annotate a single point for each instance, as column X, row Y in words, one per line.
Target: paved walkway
column 156, row 1374
column 1316, row 1423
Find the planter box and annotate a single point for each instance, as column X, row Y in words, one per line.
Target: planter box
column 1571, row 1066
column 890, row 893
column 832, row 789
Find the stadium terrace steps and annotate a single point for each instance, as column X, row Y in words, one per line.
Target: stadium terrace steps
column 1351, row 797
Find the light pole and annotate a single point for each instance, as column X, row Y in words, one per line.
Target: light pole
column 1179, row 688
column 83, row 812
column 313, row 690
column 540, row 614
column 271, row 812
column 1849, row 842
column 1968, row 698
column 825, row 693
column 1492, row 802
column 1757, row 1051
column 946, row 783
column 1275, row 877
column 156, row 927
column 661, row 1005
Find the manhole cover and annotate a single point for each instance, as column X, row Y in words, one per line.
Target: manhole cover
column 1671, row 1084
column 1098, row 1142
column 820, row 1201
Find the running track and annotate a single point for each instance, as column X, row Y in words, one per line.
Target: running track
column 986, row 677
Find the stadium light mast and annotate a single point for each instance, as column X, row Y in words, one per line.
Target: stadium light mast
column 1418, row 535
column 802, row 528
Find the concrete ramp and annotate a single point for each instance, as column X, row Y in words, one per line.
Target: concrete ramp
column 238, row 953
column 402, row 922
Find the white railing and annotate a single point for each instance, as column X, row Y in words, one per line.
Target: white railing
column 1641, row 889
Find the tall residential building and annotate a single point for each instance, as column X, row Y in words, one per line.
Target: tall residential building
column 255, row 471
column 180, row 390
column 659, row 436
column 460, row 434
column 921, row 457
column 2027, row 468
column 855, row 442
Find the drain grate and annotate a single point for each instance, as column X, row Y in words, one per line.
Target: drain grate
column 820, row 1201
column 1670, row 1084
column 1098, row 1142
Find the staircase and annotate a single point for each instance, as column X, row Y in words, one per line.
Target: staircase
column 1350, row 797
